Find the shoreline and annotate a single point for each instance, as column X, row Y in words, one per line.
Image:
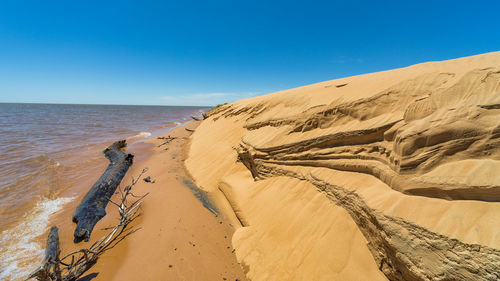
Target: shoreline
column 61, row 170
column 178, row 237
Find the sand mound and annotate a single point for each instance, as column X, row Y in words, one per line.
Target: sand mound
column 385, row 175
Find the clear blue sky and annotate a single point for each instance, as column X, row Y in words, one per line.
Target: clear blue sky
column 208, row 52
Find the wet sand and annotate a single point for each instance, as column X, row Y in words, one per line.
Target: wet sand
column 181, row 235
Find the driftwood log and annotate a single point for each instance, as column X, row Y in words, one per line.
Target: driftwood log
column 93, row 206
column 73, row 265
column 50, row 268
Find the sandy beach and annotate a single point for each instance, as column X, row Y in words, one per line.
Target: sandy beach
column 178, row 238
column 383, row 176
column 249, row 141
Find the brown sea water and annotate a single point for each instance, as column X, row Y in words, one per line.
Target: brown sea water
column 47, row 153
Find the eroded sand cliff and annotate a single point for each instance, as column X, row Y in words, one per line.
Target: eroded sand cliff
column 390, row 175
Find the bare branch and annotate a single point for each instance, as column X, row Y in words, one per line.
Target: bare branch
column 166, row 140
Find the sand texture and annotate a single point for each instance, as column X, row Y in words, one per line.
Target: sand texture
column 390, row 175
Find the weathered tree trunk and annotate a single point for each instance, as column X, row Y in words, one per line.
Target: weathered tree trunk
column 51, row 261
column 53, row 251
column 93, row 206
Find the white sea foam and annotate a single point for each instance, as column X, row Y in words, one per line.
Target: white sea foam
column 141, row 135
column 19, row 253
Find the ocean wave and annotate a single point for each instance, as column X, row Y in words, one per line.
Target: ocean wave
column 168, row 125
column 25, row 179
column 28, row 162
column 141, row 135
column 18, row 249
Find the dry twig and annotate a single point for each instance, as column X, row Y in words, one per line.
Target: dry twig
column 166, row 140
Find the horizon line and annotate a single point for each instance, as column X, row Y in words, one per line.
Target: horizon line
column 49, row 103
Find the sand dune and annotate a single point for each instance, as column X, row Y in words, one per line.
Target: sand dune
column 389, row 175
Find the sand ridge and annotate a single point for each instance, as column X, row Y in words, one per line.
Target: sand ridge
column 411, row 148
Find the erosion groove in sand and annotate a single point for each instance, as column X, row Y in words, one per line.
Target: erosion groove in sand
column 403, row 146
column 402, row 183
column 411, row 154
column 405, row 251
